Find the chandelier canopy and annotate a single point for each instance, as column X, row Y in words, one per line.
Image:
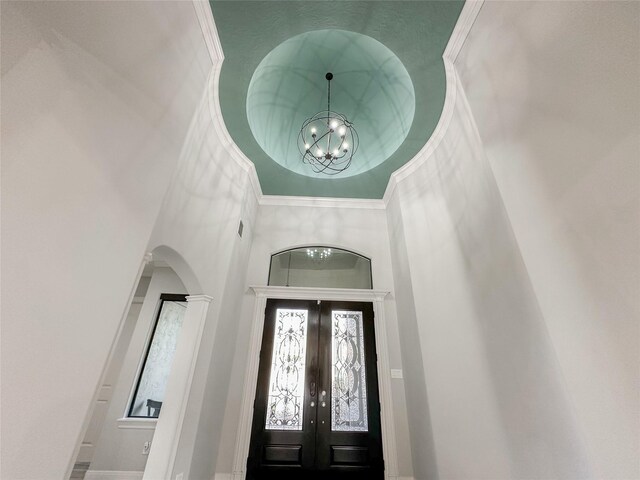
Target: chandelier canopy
column 327, row 140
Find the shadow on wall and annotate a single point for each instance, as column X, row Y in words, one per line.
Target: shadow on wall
column 537, row 421
column 180, row 266
column 424, row 458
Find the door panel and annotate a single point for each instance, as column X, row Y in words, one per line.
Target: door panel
column 349, row 440
column 279, row 441
column 317, row 410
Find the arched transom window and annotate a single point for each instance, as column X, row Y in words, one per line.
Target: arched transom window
column 320, row 266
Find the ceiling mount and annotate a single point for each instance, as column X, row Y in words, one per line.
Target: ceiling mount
column 327, row 140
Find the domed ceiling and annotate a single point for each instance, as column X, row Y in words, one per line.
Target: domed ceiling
column 389, row 80
column 370, row 86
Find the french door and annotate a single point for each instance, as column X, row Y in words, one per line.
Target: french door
column 317, row 411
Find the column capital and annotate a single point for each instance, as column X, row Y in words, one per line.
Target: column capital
column 199, row 298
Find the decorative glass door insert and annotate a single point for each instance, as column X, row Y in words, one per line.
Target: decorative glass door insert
column 317, row 408
column 286, row 386
column 348, row 373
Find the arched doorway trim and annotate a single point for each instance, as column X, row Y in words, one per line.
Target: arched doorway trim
column 179, row 265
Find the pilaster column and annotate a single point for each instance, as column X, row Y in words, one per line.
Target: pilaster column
column 170, row 422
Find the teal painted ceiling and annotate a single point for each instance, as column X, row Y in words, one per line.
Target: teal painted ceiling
column 404, row 38
column 370, row 86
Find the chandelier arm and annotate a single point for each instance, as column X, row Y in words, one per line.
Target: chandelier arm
column 329, row 170
column 333, row 171
column 317, row 140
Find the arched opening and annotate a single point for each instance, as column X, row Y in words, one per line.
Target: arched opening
column 131, row 394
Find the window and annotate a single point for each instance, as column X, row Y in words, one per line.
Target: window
column 152, row 382
column 320, row 267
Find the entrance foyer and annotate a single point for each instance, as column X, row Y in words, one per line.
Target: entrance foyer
column 509, row 246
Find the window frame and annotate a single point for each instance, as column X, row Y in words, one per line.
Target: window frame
column 320, row 246
column 164, row 297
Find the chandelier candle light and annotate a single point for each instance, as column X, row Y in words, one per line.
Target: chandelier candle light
column 328, row 141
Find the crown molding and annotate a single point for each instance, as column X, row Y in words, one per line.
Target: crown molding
column 459, row 35
column 230, row 146
column 214, row 47
column 329, row 202
column 461, row 31
column 434, row 141
column 209, row 30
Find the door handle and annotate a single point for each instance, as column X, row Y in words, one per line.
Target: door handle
column 312, row 389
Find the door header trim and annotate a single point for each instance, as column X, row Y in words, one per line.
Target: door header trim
column 314, row 293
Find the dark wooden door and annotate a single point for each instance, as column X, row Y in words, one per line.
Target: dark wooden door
column 317, row 410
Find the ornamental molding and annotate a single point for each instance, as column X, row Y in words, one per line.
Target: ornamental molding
column 458, row 37
column 199, row 298
column 313, row 293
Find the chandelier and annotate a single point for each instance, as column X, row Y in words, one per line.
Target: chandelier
column 315, row 254
column 328, row 141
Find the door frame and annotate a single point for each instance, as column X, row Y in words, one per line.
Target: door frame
column 376, row 297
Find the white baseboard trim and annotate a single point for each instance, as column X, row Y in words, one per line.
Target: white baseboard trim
column 229, row 476
column 112, row 475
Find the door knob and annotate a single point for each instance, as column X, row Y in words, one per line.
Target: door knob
column 312, row 389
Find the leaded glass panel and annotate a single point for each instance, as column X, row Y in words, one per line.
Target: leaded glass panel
column 286, row 383
column 348, row 373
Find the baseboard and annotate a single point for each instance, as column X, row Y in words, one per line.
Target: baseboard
column 112, row 475
column 229, row 476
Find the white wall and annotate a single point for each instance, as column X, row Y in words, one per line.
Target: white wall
column 103, row 401
column 209, row 195
column 496, row 399
column 96, row 101
column 555, row 91
column 363, row 231
column 420, row 431
column 119, row 448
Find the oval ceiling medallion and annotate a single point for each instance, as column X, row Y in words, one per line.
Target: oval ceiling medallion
column 370, row 86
